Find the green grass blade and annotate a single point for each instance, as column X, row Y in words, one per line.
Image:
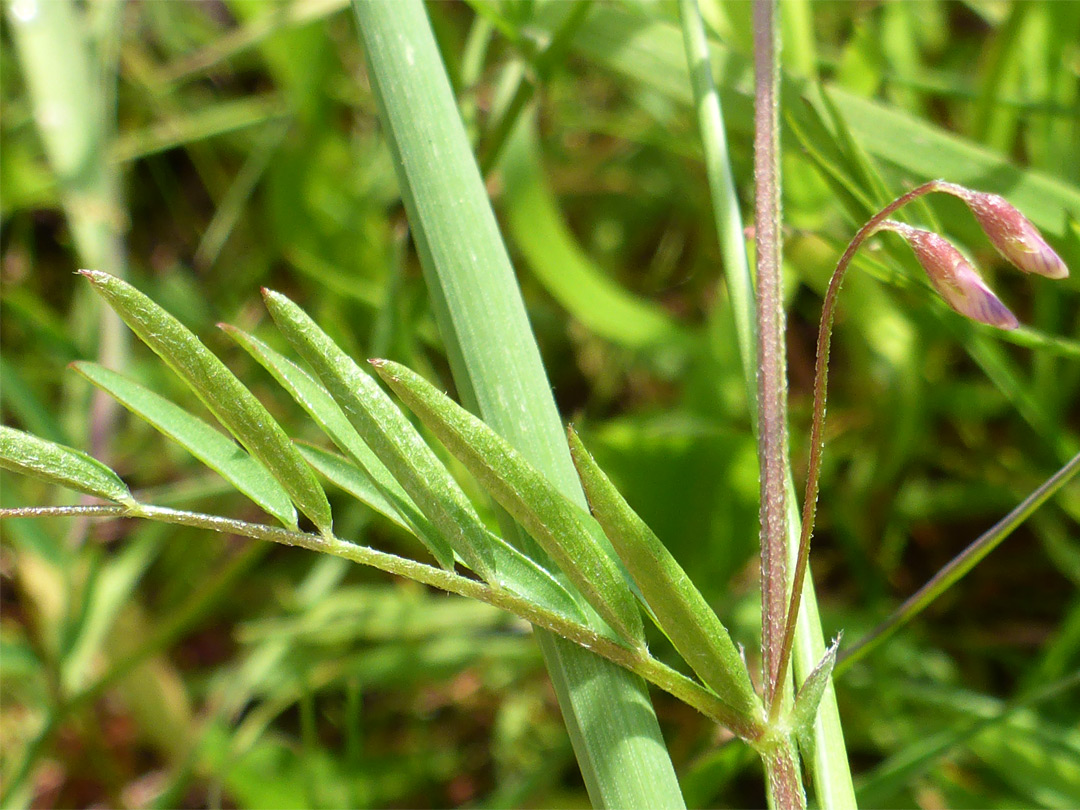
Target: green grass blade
column 243, row 37
column 19, row 399
column 226, row 397
column 499, row 374
column 214, row 120
column 70, row 88
column 832, row 772
column 960, row 565
column 725, row 201
column 216, row 451
column 901, row 768
column 386, row 431
column 650, row 52
column 523, row 492
column 321, row 407
column 57, row 464
column 680, row 609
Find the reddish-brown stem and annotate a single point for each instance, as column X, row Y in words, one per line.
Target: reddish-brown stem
column 782, row 777
column 772, row 387
column 817, row 424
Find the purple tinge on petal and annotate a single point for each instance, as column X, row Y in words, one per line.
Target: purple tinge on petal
column 1014, row 236
column 970, row 296
column 955, row 279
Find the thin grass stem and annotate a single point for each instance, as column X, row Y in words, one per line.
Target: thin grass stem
column 728, row 220
column 960, row 565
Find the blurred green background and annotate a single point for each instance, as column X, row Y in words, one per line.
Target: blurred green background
column 207, row 149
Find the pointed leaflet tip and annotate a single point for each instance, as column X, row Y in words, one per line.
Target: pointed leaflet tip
column 204, row 442
column 805, row 710
column 393, row 439
column 234, row 406
column 680, row 609
column 48, row 461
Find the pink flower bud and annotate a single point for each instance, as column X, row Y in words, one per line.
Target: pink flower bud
column 954, row 278
column 1011, row 232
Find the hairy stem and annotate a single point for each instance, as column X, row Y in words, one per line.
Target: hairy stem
column 783, row 782
column 634, row 660
column 772, row 383
column 785, row 789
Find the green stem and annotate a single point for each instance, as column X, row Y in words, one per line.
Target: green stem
column 729, row 226
column 632, row 659
column 498, row 372
column 550, row 56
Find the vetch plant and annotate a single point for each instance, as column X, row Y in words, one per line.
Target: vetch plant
column 571, row 556
column 403, row 479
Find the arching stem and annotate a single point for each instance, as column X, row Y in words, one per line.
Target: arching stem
column 817, row 425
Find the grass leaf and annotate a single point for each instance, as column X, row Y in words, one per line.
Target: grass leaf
column 560, row 263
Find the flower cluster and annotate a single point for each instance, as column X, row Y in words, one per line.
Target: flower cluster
column 1015, row 237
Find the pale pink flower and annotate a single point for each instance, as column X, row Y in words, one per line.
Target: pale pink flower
column 954, row 277
column 1013, row 234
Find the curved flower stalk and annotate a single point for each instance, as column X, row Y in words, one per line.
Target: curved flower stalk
column 1015, row 237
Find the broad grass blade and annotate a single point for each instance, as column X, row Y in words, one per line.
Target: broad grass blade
column 499, row 373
